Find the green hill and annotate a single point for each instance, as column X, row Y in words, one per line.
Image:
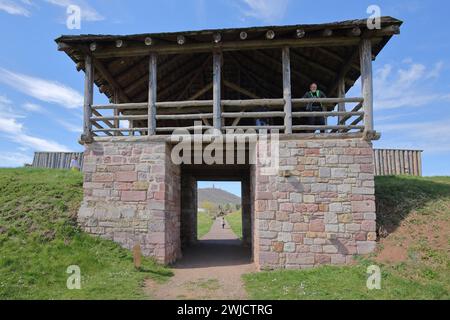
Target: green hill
column 39, row 240
column 217, row 196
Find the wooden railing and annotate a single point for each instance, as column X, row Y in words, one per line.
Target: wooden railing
column 283, row 115
column 271, row 110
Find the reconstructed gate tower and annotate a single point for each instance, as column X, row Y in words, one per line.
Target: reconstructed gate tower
column 316, row 207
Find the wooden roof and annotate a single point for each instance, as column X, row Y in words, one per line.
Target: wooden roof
column 320, row 53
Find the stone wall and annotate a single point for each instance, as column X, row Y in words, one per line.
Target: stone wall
column 319, row 209
column 131, row 196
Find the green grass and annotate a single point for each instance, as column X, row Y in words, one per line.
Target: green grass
column 408, row 208
column 204, row 223
column 235, row 221
column 39, row 239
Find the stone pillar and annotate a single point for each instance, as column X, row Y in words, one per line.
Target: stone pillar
column 319, row 208
column 188, row 210
column 131, row 196
column 246, row 213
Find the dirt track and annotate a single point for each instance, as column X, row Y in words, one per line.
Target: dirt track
column 211, row 269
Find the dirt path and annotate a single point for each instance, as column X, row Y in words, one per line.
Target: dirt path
column 211, row 269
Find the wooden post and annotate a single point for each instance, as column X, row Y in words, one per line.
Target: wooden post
column 365, row 52
column 152, row 92
column 116, row 112
column 341, row 94
column 217, row 92
column 287, row 92
column 88, row 95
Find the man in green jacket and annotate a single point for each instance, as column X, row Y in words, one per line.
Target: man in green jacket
column 315, row 106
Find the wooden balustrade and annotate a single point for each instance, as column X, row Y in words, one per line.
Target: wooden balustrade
column 249, row 109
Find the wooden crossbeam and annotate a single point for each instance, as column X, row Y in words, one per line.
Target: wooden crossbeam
column 194, row 78
column 279, row 69
column 258, row 81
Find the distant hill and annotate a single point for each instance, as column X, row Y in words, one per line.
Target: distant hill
column 217, row 196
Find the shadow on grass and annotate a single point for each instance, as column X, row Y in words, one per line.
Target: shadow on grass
column 398, row 196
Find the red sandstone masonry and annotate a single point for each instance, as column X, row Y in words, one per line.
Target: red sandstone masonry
column 330, row 213
column 318, row 209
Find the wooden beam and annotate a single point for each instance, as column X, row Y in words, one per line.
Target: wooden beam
column 111, row 80
column 217, row 75
column 341, row 94
column 241, row 90
column 141, row 50
column 152, row 92
column 187, row 75
column 308, row 61
column 194, row 78
column 202, row 91
column 162, row 69
column 88, row 95
column 244, row 92
column 365, row 49
column 337, row 57
column 344, row 70
column 258, row 80
column 287, row 90
column 279, row 67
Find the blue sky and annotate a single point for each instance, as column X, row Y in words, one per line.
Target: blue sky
column 41, row 92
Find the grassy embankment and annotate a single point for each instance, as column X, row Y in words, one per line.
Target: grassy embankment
column 204, row 223
column 235, row 221
column 39, row 239
column 413, row 219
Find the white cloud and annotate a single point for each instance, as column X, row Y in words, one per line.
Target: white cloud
column 44, row 90
column 76, row 128
column 32, row 107
column 267, row 10
column 15, row 7
column 15, row 132
column 7, row 107
column 431, row 136
column 14, row 159
column 407, row 87
column 88, row 13
column 10, row 125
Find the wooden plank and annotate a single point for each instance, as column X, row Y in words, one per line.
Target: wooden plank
column 337, row 127
column 255, row 127
column 228, row 46
column 341, row 95
column 268, row 114
column 327, row 100
column 326, row 114
column 122, row 117
column 152, row 93
column 365, row 50
column 217, row 93
column 420, row 162
column 287, row 90
column 121, row 130
column 88, row 95
column 185, row 116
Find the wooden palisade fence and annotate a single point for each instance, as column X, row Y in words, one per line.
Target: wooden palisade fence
column 398, row 162
column 56, row 160
column 387, row 161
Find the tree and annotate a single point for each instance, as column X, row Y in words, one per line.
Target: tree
column 208, row 206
